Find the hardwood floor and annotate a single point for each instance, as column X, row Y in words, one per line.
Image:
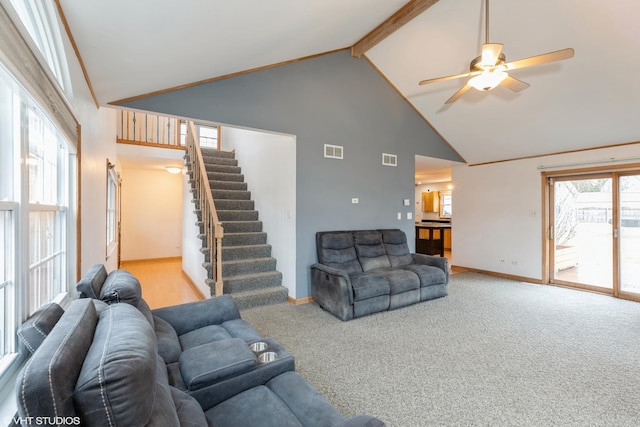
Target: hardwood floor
column 163, row 283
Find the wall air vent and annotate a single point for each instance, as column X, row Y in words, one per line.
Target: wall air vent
column 389, row 159
column 332, row 151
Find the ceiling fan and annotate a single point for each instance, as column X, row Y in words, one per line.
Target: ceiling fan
column 490, row 69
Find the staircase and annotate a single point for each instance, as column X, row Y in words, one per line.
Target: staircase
column 248, row 270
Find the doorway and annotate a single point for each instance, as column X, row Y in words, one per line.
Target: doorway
column 594, row 232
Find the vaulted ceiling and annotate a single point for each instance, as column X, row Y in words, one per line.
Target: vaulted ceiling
column 591, row 100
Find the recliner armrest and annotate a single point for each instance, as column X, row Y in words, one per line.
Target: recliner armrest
column 194, row 315
column 436, row 261
column 331, row 289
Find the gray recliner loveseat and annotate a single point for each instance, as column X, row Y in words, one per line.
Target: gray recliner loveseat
column 367, row 271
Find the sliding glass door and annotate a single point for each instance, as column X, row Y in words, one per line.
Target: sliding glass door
column 583, row 231
column 594, row 232
column 630, row 234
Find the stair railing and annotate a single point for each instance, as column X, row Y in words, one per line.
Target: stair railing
column 212, row 226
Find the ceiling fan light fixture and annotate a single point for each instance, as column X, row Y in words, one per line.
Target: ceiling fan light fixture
column 488, row 79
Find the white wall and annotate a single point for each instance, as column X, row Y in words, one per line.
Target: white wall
column 192, row 258
column 497, row 210
column 98, row 143
column 151, row 214
column 268, row 162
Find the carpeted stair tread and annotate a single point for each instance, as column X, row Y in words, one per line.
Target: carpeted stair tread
column 242, row 226
column 222, row 168
column 253, row 281
column 260, row 297
column 212, row 152
column 227, row 185
column 223, row 176
column 230, row 194
column 247, row 266
column 234, row 205
column 240, row 239
column 211, row 160
column 237, row 215
column 231, row 253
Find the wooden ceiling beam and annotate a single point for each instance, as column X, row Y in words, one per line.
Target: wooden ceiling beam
column 405, row 14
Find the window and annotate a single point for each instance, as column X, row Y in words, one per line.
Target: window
column 7, row 316
column 445, row 204
column 39, row 19
column 38, row 167
column 37, row 220
column 208, row 135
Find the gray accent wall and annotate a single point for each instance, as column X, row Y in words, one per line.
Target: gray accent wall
column 330, row 99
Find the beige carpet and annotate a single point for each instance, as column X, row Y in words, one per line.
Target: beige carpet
column 494, row 352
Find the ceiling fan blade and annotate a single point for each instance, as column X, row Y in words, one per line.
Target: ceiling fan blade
column 458, row 94
column 558, row 55
column 441, row 79
column 514, row 84
column 491, row 54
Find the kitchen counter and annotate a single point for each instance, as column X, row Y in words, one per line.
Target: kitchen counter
column 431, row 240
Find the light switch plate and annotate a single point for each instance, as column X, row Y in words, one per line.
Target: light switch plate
column 399, row 215
column 409, row 215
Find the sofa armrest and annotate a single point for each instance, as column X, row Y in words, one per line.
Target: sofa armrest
column 435, row 261
column 331, row 289
column 361, row 421
column 194, row 315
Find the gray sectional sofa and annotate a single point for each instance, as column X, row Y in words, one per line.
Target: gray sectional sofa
column 367, row 271
column 111, row 361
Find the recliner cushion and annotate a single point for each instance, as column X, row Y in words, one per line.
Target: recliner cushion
column 368, row 285
column 168, row 342
column 395, row 245
column 336, row 249
column 429, row 275
column 117, row 383
column 121, row 286
column 36, row 328
column 257, row 406
column 400, row 280
column 189, row 411
column 45, row 385
column 90, row 284
column 370, row 250
column 204, row 335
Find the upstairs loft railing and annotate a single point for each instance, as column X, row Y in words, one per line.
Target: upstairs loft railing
column 213, row 229
column 137, row 128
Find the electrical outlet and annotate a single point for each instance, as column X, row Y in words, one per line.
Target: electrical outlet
column 355, row 200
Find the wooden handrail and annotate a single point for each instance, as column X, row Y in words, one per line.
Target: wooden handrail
column 213, row 228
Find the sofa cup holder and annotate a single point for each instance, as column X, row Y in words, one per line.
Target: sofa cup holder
column 258, row 347
column 267, row 356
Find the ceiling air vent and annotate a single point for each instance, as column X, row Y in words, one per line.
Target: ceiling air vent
column 389, row 159
column 332, row 151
